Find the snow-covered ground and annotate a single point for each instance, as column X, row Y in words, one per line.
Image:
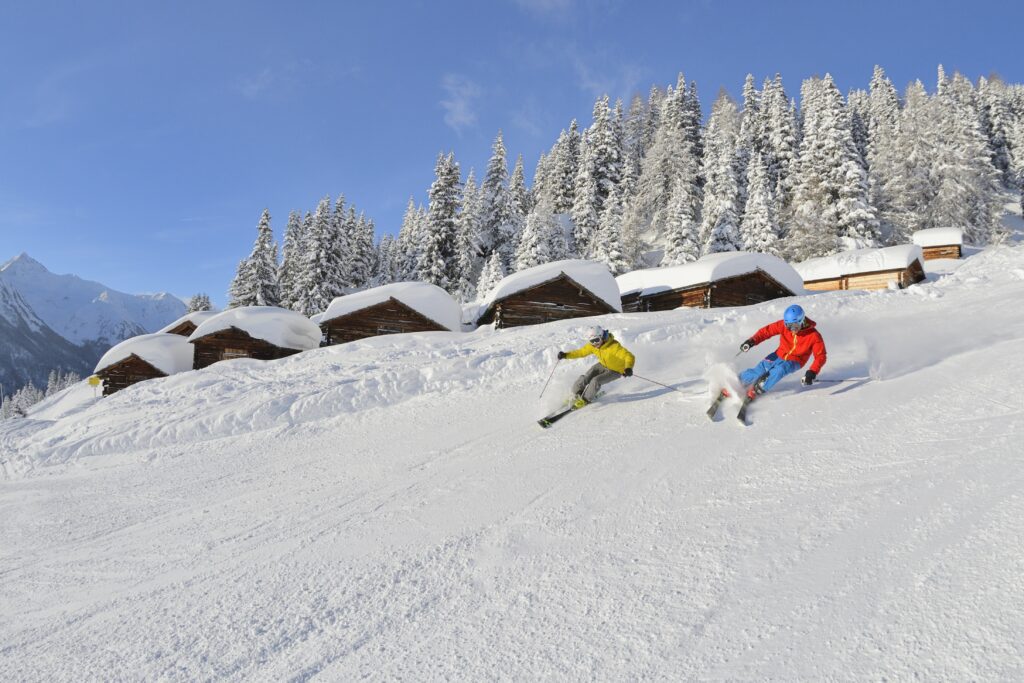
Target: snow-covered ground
column 389, row 509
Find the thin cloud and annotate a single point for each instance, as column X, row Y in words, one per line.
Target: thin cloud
column 253, row 87
column 461, row 94
column 621, row 80
column 546, row 7
column 54, row 99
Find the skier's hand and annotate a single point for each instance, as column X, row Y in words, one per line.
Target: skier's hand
column 628, row 372
column 808, row 378
column 747, row 345
column 561, row 355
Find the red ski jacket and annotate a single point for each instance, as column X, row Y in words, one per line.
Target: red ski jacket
column 796, row 347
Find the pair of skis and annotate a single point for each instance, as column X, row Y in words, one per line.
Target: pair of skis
column 546, row 422
column 741, row 414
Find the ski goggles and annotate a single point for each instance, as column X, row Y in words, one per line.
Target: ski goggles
column 795, row 327
column 597, row 341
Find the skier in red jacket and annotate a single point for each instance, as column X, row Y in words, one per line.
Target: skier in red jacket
column 798, row 340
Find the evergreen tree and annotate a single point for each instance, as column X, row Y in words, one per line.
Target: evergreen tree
column 586, row 206
column 409, row 243
column 497, row 204
column 440, row 260
column 255, row 282
column 534, row 247
column 199, row 302
column 858, row 103
column 468, row 229
column 760, row 226
column 883, row 122
column 492, row 273
column 321, row 280
column 293, row 250
column 387, row 263
column 720, row 219
column 607, row 245
column 681, row 226
column 781, row 143
column 996, row 123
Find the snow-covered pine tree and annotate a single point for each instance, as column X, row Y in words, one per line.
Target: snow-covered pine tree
column 408, row 247
column 292, row 250
column 199, row 302
column 440, row 260
column 497, row 205
column 602, row 154
column 585, row 208
column 363, row 261
column 534, row 246
column 607, row 245
column 781, row 143
column 52, row 382
column 518, row 204
column 255, row 282
column 241, row 291
column 681, row 227
column 750, row 137
column 996, row 123
column 468, row 228
column 883, row 121
column 343, row 235
column 320, row 282
column 1015, row 138
column 908, row 187
column 760, row 226
column 492, row 273
column 387, row 265
column 858, row 105
column 720, row 216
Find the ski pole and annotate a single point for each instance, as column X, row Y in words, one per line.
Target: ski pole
column 553, row 367
column 658, row 383
column 847, row 379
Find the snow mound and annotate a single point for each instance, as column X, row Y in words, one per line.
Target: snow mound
column 938, row 237
column 859, row 261
column 426, row 299
column 592, row 275
column 710, row 268
column 278, row 326
column 197, row 318
column 168, row 353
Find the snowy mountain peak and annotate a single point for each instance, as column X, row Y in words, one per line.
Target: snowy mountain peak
column 23, row 264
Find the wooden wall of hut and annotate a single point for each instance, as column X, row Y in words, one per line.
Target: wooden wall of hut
column 558, row 299
column 185, row 329
column 741, row 290
column 234, row 343
column 943, row 251
column 388, row 317
column 873, row 281
column 127, row 372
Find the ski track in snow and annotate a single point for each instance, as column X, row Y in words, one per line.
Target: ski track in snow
column 389, row 510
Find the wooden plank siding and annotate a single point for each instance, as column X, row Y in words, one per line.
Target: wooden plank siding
column 387, row 317
column 185, row 329
column 875, row 280
column 943, row 251
column 560, row 298
column 235, row 343
column 740, row 290
column 127, row 372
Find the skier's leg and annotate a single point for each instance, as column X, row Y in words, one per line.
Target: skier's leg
column 597, row 381
column 778, row 370
column 750, row 375
column 583, row 380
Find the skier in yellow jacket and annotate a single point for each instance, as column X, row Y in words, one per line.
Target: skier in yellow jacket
column 613, row 361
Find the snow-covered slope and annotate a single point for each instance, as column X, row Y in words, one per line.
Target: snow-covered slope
column 83, row 311
column 389, row 509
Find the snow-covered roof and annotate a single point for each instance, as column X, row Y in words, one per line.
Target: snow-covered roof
column 426, row 299
column 859, row 261
column 592, row 275
column 195, row 317
column 710, row 268
column 168, row 353
column 938, row 237
column 278, row 326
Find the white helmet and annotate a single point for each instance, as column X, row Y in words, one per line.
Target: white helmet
column 596, row 335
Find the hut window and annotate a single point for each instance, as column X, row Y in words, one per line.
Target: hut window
column 384, row 329
column 233, row 353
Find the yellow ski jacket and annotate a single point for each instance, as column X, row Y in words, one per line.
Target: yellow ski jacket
column 611, row 354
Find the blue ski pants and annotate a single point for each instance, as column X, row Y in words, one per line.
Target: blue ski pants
column 775, row 368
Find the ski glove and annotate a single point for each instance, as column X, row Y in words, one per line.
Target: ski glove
column 628, row 372
column 561, row 355
column 808, row 378
column 747, row 345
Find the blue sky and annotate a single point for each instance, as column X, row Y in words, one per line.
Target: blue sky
column 139, row 141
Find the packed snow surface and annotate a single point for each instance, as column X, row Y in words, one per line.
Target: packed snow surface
column 279, row 326
column 197, row 318
column 710, row 268
column 426, row 299
column 590, row 274
column 388, row 509
column 938, row 237
column 168, row 353
column 859, row 261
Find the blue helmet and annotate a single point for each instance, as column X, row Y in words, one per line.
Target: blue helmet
column 794, row 315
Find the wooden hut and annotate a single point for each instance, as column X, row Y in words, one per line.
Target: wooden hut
column 391, row 309
column 868, row 269
column 938, row 243
column 717, row 280
column 144, row 357
column 261, row 332
column 553, row 291
column 187, row 324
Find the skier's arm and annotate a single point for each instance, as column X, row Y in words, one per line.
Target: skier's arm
column 629, row 358
column 768, row 331
column 820, row 355
column 584, row 350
